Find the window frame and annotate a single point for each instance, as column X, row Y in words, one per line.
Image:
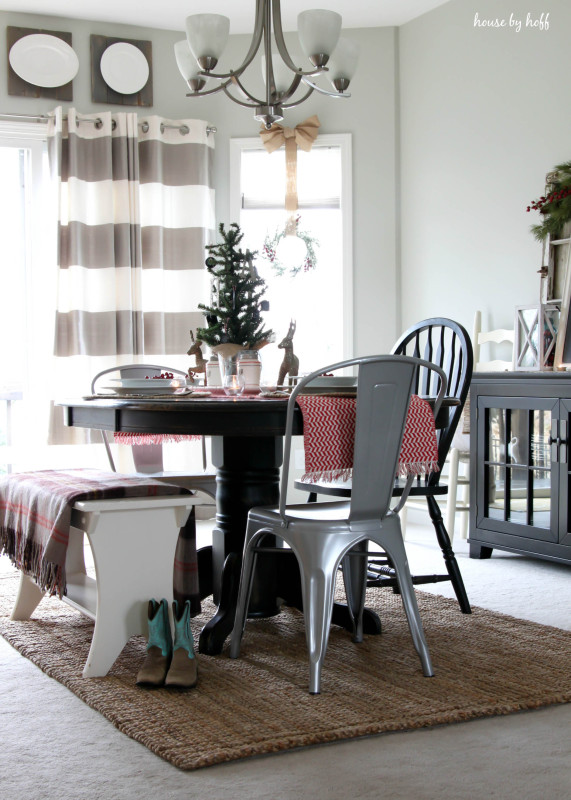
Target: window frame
column 31, row 136
column 344, row 142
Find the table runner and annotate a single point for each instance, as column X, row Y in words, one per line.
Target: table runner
column 329, row 434
column 137, row 439
column 35, row 515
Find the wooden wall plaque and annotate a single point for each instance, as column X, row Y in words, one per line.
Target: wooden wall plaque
column 18, row 86
column 101, row 92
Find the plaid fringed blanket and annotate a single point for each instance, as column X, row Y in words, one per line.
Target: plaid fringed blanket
column 329, row 437
column 35, row 515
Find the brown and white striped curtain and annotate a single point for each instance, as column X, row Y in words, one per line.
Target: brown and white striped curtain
column 136, row 208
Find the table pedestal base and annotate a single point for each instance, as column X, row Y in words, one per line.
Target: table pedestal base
column 217, row 629
column 247, row 476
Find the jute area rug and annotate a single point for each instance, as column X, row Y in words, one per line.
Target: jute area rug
column 485, row 664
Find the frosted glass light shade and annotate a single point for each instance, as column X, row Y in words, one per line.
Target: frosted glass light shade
column 283, row 76
column 188, row 67
column 318, row 31
column 343, row 63
column 185, row 60
column 207, row 35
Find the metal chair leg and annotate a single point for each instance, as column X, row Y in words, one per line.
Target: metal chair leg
column 244, row 592
column 318, row 585
column 391, row 541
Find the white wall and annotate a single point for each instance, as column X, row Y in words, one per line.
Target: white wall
column 369, row 115
column 485, row 113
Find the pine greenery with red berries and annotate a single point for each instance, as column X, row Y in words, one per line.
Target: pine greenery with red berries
column 234, row 316
column 270, row 251
column 555, row 205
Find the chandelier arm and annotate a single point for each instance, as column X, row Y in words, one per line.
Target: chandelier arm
column 270, row 80
column 256, row 38
column 219, row 88
column 236, row 81
column 324, row 91
column 255, row 102
column 288, row 92
column 298, row 102
column 235, row 99
column 281, row 45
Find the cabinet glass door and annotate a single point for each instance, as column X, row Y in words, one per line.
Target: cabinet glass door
column 565, row 484
column 518, row 475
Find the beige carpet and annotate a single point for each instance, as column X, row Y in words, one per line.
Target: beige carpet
column 485, row 664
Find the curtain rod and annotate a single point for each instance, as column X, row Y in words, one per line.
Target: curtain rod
column 184, row 129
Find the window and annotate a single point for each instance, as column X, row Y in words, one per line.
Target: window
column 23, row 165
column 320, row 299
column 27, row 302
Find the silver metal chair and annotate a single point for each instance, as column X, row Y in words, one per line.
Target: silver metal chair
column 321, row 534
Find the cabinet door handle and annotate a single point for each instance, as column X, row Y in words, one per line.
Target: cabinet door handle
column 563, row 441
column 554, row 441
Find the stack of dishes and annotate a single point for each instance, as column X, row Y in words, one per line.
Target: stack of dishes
column 148, row 386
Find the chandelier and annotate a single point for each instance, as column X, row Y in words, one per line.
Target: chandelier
column 319, row 35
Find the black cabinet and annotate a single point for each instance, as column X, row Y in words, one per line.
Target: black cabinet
column 520, row 464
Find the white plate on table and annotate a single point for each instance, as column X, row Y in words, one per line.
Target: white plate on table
column 147, row 385
column 124, row 68
column 142, row 383
column 44, row 60
column 167, row 391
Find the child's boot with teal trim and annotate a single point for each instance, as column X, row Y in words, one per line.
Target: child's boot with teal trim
column 159, row 646
column 183, row 672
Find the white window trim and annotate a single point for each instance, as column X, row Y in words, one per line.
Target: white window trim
column 344, row 141
column 23, row 130
column 31, row 136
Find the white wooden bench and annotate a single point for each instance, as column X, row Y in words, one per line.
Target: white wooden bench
column 133, row 541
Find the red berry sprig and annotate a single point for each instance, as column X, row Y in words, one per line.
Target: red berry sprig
column 553, row 197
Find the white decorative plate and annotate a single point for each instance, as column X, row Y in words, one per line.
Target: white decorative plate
column 151, row 391
column 124, row 68
column 44, row 60
column 144, row 383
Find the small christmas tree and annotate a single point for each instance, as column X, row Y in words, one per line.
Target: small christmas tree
column 234, row 316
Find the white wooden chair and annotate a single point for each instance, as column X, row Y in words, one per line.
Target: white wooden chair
column 459, row 455
column 499, row 337
column 148, row 458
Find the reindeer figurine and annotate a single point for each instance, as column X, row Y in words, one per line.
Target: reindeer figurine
column 290, row 364
column 196, row 351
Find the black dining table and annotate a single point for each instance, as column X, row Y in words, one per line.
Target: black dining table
column 247, row 449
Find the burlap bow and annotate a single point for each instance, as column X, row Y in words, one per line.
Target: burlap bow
column 303, row 136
